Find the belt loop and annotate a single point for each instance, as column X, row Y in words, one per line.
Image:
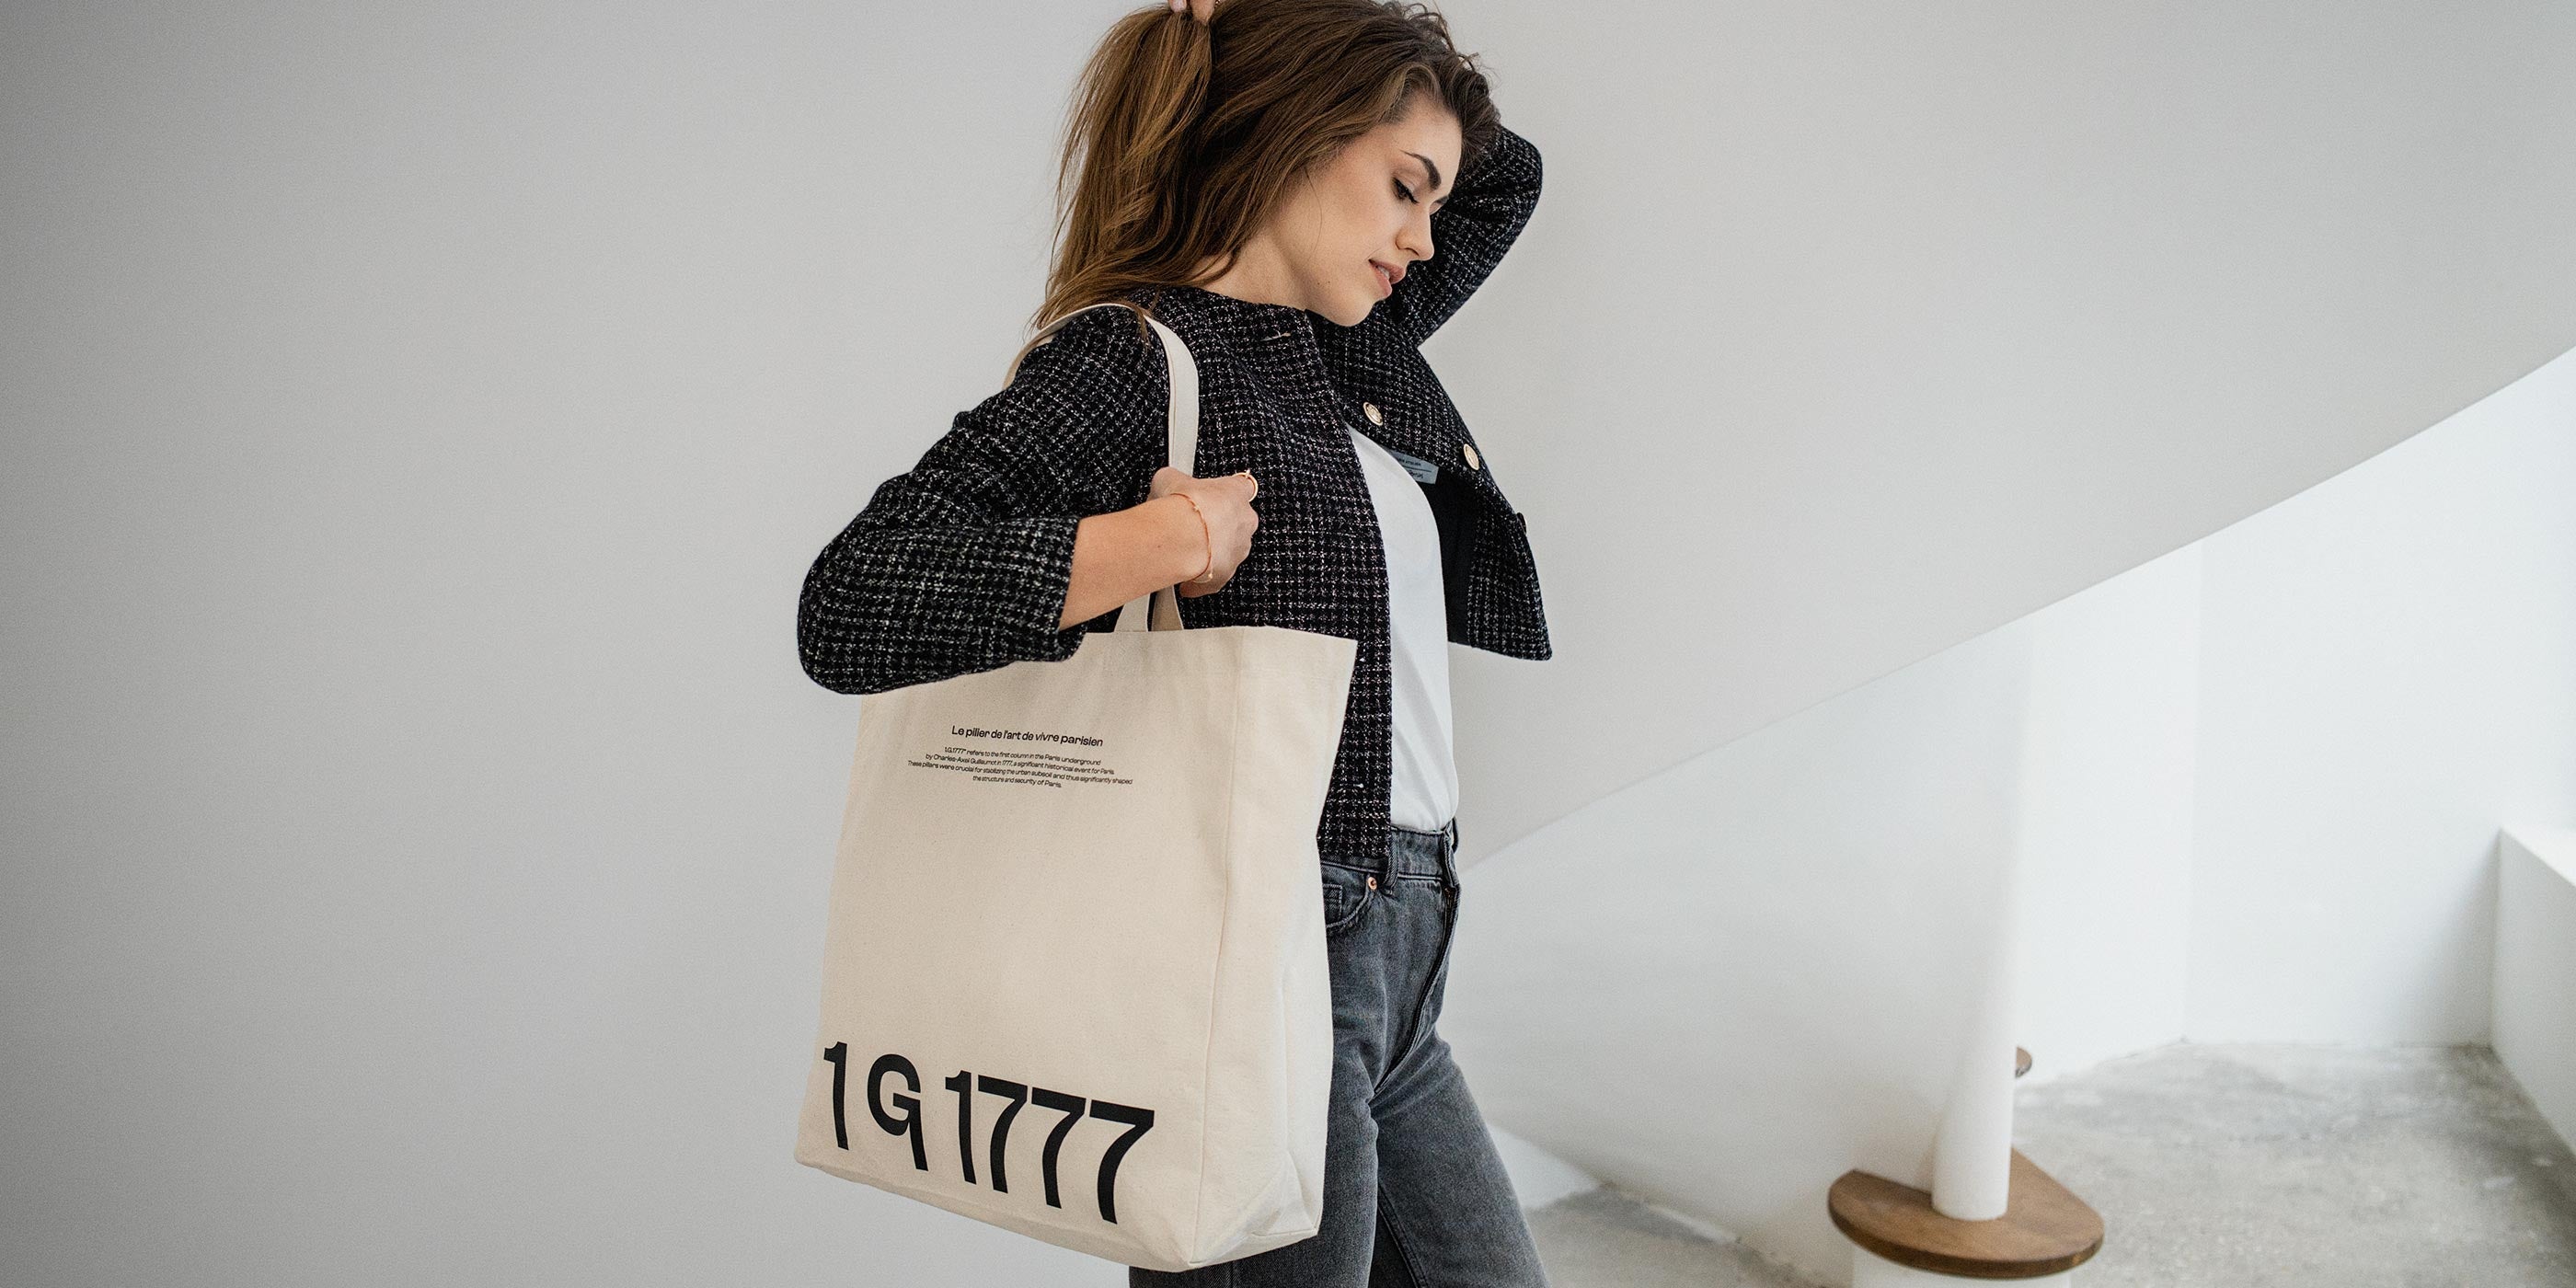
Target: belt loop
column 1386, row 862
column 1449, row 851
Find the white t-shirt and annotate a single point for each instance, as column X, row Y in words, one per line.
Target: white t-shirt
column 1424, row 793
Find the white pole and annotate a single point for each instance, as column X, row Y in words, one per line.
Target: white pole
column 1972, row 1153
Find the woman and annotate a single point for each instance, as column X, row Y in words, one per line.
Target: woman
column 1269, row 178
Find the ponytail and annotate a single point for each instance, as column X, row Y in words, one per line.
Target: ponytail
column 1122, row 177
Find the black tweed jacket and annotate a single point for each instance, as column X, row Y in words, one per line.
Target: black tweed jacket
column 961, row 564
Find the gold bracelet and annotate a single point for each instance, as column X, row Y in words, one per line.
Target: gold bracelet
column 1205, row 573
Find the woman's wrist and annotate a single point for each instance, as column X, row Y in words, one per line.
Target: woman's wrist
column 1207, row 540
column 1188, row 539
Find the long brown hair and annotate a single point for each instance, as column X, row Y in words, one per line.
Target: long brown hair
column 1183, row 134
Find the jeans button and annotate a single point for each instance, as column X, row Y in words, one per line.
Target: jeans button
column 1372, row 883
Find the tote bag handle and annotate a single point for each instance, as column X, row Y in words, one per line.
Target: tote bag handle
column 1183, row 446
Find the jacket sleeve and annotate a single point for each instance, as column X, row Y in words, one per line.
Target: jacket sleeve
column 961, row 563
column 1489, row 203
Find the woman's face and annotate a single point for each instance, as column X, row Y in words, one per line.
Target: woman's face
column 1372, row 203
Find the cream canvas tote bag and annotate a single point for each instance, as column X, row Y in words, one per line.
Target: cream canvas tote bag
column 1074, row 977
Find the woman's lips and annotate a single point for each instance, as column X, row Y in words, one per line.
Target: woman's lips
column 1386, row 283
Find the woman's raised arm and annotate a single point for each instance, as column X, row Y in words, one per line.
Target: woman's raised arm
column 1489, row 203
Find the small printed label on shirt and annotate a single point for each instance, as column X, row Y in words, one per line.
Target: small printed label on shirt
column 1422, row 471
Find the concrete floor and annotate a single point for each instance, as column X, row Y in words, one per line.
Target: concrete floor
column 2296, row 1165
column 1602, row 1238
column 2225, row 1166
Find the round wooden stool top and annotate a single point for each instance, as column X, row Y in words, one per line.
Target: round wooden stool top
column 2044, row 1230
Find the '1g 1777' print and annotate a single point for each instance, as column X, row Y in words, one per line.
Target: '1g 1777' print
column 899, row 1114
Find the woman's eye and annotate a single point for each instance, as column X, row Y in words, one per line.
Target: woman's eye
column 1407, row 192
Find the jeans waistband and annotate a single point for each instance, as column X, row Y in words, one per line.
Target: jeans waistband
column 1423, row 856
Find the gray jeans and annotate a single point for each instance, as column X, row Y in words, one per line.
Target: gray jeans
column 1414, row 1194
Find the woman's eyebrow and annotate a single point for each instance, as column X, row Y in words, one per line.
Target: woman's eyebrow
column 1433, row 169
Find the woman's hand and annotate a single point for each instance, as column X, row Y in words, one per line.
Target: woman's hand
column 1226, row 506
column 1201, row 8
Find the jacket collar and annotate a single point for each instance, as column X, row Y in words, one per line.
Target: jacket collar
column 1280, row 346
column 1274, row 342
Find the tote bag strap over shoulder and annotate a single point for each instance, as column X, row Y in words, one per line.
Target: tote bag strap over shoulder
column 1183, row 419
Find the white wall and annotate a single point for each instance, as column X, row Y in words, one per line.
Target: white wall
column 417, row 422
column 1870, row 327
column 418, row 419
column 2286, row 751
column 1723, row 987
column 1538, row 1177
column 2535, row 968
column 2107, row 822
column 2388, row 674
